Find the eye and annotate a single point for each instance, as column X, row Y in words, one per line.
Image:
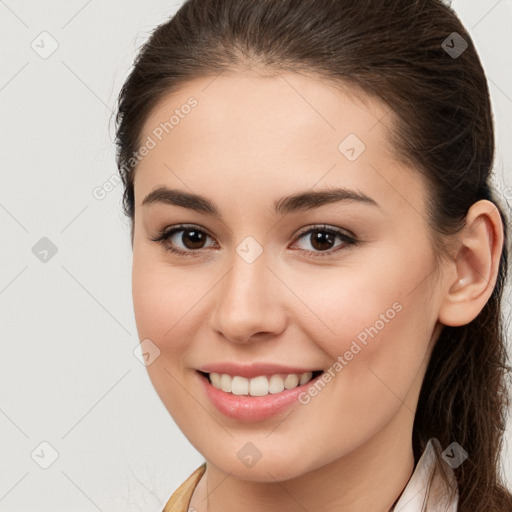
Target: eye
column 322, row 238
column 193, row 239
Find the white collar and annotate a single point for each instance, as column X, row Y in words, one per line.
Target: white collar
column 426, row 489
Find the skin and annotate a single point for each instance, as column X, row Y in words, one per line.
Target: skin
column 250, row 141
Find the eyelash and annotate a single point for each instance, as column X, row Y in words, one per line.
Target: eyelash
column 164, row 235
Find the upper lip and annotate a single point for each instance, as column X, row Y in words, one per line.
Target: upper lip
column 252, row 370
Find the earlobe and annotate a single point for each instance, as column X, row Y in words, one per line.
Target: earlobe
column 475, row 265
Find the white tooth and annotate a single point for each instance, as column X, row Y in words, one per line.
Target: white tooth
column 225, row 382
column 291, row 381
column 276, row 384
column 240, row 386
column 258, row 386
column 305, row 377
column 215, row 378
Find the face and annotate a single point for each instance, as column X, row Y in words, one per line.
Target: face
column 265, row 287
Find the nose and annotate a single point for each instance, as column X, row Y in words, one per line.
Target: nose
column 249, row 302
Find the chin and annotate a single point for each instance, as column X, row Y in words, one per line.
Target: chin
column 261, row 460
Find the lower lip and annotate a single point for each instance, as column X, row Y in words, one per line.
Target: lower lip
column 252, row 408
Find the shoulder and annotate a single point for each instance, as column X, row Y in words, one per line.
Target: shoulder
column 180, row 499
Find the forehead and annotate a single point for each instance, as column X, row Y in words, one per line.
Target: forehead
column 287, row 106
column 284, row 131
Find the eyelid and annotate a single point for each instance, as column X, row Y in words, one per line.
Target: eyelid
column 326, row 227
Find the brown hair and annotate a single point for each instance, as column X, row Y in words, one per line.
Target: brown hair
column 399, row 52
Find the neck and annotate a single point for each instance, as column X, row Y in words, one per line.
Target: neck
column 371, row 477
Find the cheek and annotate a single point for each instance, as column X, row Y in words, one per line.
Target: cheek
column 377, row 357
column 375, row 326
column 163, row 301
column 158, row 306
column 163, row 307
column 346, row 305
column 382, row 300
column 169, row 308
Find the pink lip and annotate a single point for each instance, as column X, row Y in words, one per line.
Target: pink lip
column 253, row 370
column 252, row 408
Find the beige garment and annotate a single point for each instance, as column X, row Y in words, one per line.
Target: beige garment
column 180, row 500
column 425, row 491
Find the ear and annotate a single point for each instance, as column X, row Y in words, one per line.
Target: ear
column 474, row 270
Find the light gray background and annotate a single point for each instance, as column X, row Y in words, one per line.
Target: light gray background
column 68, row 374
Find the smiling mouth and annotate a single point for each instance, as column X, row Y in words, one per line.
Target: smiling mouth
column 261, row 385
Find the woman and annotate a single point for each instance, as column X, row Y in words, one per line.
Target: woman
column 318, row 256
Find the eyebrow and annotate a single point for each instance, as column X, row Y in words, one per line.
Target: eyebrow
column 307, row 200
